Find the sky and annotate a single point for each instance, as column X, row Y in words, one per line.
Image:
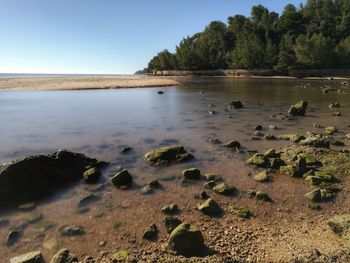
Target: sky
column 104, row 36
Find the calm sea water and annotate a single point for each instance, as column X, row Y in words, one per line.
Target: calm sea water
column 21, row 75
column 100, row 122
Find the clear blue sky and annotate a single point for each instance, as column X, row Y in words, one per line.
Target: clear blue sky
column 104, row 36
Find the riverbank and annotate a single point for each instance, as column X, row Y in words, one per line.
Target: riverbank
column 83, row 83
column 257, row 73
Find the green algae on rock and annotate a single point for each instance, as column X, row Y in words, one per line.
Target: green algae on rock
column 31, row 257
column 63, row 256
column 241, row 212
column 151, row 232
column 92, row 175
column 261, row 177
column 258, row 159
column 225, row 189
column 298, row 109
column 340, row 225
column 167, row 155
column 210, row 207
column 186, row 240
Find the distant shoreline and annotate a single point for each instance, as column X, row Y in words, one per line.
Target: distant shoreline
column 84, row 83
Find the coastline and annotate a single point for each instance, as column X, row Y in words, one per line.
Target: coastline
column 85, row 83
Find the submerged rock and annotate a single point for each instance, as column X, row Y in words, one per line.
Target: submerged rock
column 72, row 230
column 171, row 223
column 298, row 109
column 151, row 232
column 235, row 105
column 31, row 257
column 89, row 199
column 63, row 256
column 334, row 105
column 224, row 189
column 233, row 145
column 186, row 240
column 122, row 180
column 340, row 225
column 192, row 174
column 92, row 175
column 35, row 177
column 167, row 155
column 210, row 207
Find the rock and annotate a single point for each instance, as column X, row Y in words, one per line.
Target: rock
column 271, row 153
column 210, row 208
column 269, row 137
column 210, row 185
column 261, row 177
column 241, row 212
column 120, row 256
column 314, row 195
column 334, row 105
column 63, row 256
column 276, row 163
column 224, row 189
column 337, row 143
column 171, row 223
column 298, row 109
column 257, row 159
column 314, row 180
column 12, row 237
column 347, row 136
column 53, row 244
column 35, row 177
column 336, row 113
column 203, row 195
column 316, row 125
column 32, row 257
column 330, row 130
column 160, row 92
column 27, row 206
column 235, row 105
column 192, row 174
column 92, row 175
column 146, row 190
column 89, row 199
column 35, row 217
column 258, row 128
column 167, row 155
column 170, row 209
column 318, row 142
column 272, row 127
column 259, row 195
column 213, row 177
column 340, row 225
column 4, row 222
column 122, row 180
column 154, row 184
column 125, row 149
column 186, row 240
column 151, row 232
column 71, row 230
column 233, row 145
column 291, row 137
column 325, row 176
column 259, row 134
column 213, row 140
column 290, row 170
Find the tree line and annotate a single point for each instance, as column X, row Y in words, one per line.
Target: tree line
column 313, row 36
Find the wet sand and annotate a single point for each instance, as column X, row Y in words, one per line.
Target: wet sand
column 84, row 83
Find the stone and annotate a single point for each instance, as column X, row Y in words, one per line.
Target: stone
column 154, row 184
column 314, row 195
column 89, row 199
column 318, row 142
column 336, row 113
column 269, row 137
column 340, row 225
column 125, row 149
column 160, row 92
column 233, row 145
column 120, row 255
column 291, row 137
column 92, row 175
column 31, row 257
column 259, row 195
column 261, row 177
column 12, row 237
column 257, row 159
column 186, row 240
column 192, row 174
column 327, row 177
column 170, row 209
column 37, row 177
column 150, row 233
column 224, row 189
column 167, row 155
column 210, row 208
column 272, row 127
column 276, row 163
column 314, row 180
column 235, row 105
column 146, row 190
column 213, row 177
column 63, row 256
column 330, row 130
column 171, row 223
column 316, row 125
column 34, row 217
column 334, row 105
column 71, row 230
column 241, row 212
column 210, row 185
column 258, row 128
column 298, row 109
column 4, row 222
column 27, row 206
column 271, row 153
column 122, row 180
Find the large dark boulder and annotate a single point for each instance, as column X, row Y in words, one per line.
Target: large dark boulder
column 35, row 177
column 299, row 108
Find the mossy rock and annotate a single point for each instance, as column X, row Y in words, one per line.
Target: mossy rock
column 31, row 257
column 225, row 189
column 192, row 174
column 167, row 155
column 122, row 180
column 290, row 170
column 257, row 159
column 120, row 255
column 327, row 177
column 241, row 212
column 186, row 240
column 213, row 177
column 233, row 145
column 151, row 232
column 170, row 209
column 330, row 130
column 71, row 230
column 271, row 153
column 63, row 256
column 210, row 207
column 261, row 177
column 318, row 142
column 259, row 195
column 298, row 109
column 92, row 175
column 340, row 225
column 294, row 137
column 171, row 223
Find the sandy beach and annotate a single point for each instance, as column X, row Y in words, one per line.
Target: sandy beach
column 82, row 83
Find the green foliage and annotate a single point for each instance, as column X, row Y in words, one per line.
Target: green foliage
column 316, row 35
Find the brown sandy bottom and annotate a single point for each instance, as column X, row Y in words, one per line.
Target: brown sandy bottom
column 280, row 231
column 83, row 83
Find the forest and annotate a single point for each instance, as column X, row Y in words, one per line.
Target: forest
column 312, row 36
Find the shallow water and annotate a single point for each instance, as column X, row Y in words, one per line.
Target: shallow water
column 100, row 122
